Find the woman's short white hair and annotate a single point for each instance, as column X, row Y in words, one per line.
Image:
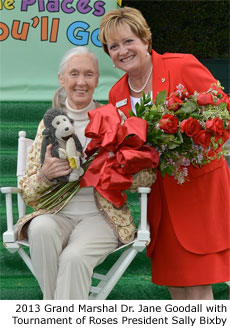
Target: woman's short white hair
column 75, row 51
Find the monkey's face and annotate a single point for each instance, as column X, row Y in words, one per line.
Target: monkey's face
column 64, row 128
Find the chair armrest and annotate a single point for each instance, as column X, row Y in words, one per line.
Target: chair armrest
column 144, row 190
column 10, row 235
column 10, row 190
column 143, row 233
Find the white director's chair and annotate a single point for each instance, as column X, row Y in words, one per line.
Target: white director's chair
column 12, row 244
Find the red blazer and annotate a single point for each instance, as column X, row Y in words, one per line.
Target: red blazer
column 199, row 209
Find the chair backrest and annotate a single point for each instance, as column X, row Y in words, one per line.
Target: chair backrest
column 24, row 145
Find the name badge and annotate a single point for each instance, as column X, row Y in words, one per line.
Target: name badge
column 121, row 103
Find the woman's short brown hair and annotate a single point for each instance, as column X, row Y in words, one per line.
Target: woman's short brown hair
column 131, row 16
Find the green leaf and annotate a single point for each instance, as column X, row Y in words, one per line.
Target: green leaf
column 140, row 108
column 179, row 135
column 169, row 171
column 195, row 115
column 174, row 144
column 188, row 107
column 146, row 115
column 161, row 97
column 131, row 113
column 147, row 100
column 222, row 106
column 162, row 165
column 155, row 114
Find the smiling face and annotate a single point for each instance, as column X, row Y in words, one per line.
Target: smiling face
column 79, row 80
column 126, row 49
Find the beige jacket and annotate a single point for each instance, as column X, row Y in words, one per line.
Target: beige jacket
column 34, row 183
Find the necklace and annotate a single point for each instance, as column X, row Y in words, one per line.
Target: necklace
column 145, row 84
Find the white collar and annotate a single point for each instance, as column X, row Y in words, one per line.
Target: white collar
column 81, row 114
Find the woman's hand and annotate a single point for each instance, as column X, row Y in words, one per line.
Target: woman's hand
column 54, row 167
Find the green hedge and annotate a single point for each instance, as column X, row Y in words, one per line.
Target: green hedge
column 197, row 27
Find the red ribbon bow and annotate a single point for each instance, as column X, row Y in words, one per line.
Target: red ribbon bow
column 121, row 153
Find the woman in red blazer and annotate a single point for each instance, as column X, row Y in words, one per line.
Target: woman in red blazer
column 189, row 223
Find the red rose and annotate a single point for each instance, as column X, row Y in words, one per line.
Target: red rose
column 205, row 99
column 203, row 138
column 215, row 126
column 225, row 99
column 168, row 123
column 190, row 126
column 174, row 103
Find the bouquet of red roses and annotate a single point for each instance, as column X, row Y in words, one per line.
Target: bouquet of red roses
column 186, row 129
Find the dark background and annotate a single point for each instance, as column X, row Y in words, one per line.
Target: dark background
column 187, row 26
column 197, row 27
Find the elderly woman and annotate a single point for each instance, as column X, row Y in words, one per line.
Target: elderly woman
column 65, row 247
column 189, row 223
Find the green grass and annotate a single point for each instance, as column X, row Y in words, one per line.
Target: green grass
column 17, row 283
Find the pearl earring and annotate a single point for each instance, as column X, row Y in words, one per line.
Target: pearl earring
column 114, row 66
column 147, row 53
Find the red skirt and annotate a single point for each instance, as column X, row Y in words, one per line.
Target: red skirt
column 172, row 264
